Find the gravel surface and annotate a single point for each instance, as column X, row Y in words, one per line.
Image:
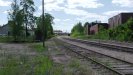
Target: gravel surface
column 71, row 64
column 120, row 55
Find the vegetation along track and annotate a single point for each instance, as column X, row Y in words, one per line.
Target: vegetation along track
column 103, row 64
column 105, row 45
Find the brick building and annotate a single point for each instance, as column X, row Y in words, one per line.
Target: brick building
column 119, row 19
column 94, row 29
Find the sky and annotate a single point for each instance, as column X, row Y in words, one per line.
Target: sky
column 67, row 13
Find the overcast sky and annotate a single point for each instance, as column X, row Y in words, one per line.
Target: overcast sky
column 69, row 12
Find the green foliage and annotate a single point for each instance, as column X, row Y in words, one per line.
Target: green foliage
column 44, row 64
column 21, row 19
column 48, row 29
column 38, row 47
column 77, row 30
column 102, row 34
column 28, row 11
column 39, row 65
column 122, row 32
column 5, row 39
column 87, row 24
column 15, row 21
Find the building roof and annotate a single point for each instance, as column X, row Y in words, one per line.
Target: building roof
column 92, row 24
column 121, row 14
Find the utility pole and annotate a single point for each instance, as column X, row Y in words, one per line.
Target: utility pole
column 43, row 36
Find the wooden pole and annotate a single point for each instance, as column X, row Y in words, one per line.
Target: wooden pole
column 43, row 24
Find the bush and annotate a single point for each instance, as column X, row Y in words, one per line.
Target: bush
column 77, row 30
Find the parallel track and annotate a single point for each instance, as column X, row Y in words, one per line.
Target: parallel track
column 108, row 65
column 105, row 45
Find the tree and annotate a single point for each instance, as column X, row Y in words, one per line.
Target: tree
column 15, row 20
column 48, row 29
column 48, row 21
column 87, row 27
column 122, row 32
column 28, row 11
column 77, row 30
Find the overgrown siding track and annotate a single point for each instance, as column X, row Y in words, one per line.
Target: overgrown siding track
column 102, row 63
column 105, row 45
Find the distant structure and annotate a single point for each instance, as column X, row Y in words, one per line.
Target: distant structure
column 119, row 19
column 59, row 32
column 94, row 28
column 4, row 30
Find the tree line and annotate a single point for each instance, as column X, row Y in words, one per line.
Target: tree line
column 23, row 24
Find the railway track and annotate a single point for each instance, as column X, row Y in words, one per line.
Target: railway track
column 103, row 64
column 104, row 45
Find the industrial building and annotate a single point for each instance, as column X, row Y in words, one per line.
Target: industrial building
column 94, row 29
column 119, row 19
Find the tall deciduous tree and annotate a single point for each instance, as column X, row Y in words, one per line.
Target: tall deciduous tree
column 48, row 29
column 48, row 21
column 15, row 20
column 28, row 11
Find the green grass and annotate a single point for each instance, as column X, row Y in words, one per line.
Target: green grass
column 39, row 65
column 38, row 47
column 44, row 65
column 74, row 64
column 7, row 39
column 4, row 39
column 13, row 66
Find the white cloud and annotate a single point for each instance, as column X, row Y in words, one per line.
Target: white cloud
column 48, row 1
column 123, row 3
column 61, row 20
column 67, row 20
column 37, row 13
column 57, row 20
column 4, row 3
column 92, row 17
column 84, row 15
column 113, row 13
column 51, row 5
column 5, row 12
column 84, row 3
column 76, row 12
